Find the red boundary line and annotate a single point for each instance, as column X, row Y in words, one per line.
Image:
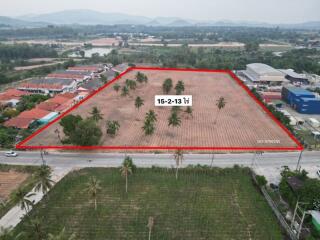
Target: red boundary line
column 229, row 72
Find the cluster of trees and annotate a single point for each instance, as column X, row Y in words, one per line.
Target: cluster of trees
column 308, row 194
column 86, row 132
column 81, row 132
column 28, row 102
column 26, row 51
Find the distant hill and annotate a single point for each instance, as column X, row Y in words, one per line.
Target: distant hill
column 13, row 22
column 87, row 17
column 90, row 17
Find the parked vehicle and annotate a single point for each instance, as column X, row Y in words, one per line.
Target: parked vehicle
column 11, row 154
column 318, row 172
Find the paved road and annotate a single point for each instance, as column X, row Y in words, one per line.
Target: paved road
column 268, row 164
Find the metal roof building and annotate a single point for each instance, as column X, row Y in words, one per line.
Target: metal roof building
column 262, row 73
column 301, row 100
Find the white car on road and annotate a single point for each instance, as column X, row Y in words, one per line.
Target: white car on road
column 318, row 172
column 11, row 154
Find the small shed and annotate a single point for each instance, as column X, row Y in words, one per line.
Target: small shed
column 295, row 183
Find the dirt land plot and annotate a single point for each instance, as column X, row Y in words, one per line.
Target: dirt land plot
column 10, row 181
column 242, row 123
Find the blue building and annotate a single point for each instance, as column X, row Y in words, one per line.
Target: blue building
column 301, row 100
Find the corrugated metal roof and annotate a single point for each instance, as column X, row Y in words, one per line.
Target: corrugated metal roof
column 264, row 69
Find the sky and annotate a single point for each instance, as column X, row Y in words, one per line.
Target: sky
column 272, row 11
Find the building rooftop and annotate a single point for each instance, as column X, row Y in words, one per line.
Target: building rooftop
column 300, row 91
column 264, row 69
column 292, row 73
column 85, row 68
column 12, row 94
column 17, row 122
column 52, row 81
column 65, row 75
column 34, row 113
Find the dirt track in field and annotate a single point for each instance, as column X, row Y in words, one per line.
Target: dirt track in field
column 242, row 123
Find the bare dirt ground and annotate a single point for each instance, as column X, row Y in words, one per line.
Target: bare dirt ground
column 242, row 123
column 10, row 181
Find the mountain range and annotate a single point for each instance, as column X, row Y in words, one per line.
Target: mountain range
column 90, row 17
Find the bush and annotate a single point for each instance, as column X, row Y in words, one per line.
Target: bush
column 261, row 180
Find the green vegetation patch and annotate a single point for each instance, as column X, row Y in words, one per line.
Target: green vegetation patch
column 200, row 204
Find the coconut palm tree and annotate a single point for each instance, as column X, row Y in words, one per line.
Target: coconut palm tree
column 96, row 114
column 113, row 127
column 174, row 120
column 148, row 127
column 126, row 169
column 116, row 87
column 151, row 115
column 221, row 103
column 22, row 197
column 131, row 84
column 179, row 87
column 124, row 91
column 139, row 102
column 92, row 188
column 167, row 85
column 189, row 110
column 35, row 229
column 43, row 178
column 62, row 236
column 150, row 226
column 178, row 157
column 57, row 131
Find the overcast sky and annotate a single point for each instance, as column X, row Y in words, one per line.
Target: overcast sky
column 273, row 11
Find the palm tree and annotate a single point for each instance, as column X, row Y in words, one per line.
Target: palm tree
column 221, row 103
column 92, row 188
column 174, row 120
column 148, row 127
column 112, row 127
column 126, row 169
column 57, row 131
column 167, row 85
column 36, row 229
column 131, row 84
column 150, row 226
column 61, row 236
column 96, row 114
column 178, row 157
column 124, row 91
column 43, row 178
column 189, row 110
column 139, row 102
column 151, row 115
column 179, row 87
column 116, row 87
column 140, row 77
column 22, row 197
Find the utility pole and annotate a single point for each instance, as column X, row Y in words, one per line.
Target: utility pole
column 41, row 155
column 299, row 159
column 212, row 158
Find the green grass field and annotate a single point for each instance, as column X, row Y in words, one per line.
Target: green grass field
column 201, row 204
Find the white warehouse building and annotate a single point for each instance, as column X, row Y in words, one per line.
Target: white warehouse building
column 262, row 73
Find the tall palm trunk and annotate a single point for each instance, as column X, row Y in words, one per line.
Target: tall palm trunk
column 95, row 204
column 150, row 233
column 177, row 169
column 126, row 183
